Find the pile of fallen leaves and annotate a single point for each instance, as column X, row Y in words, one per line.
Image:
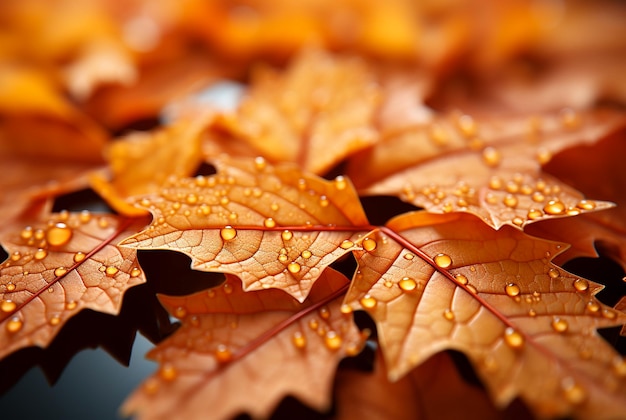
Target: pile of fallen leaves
column 385, row 193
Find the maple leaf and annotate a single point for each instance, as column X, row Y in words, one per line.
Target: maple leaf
column 319, row 103
column 274, row 226
column 434, row 282
column 488, row 168
column 232, row 344
column 58, row 266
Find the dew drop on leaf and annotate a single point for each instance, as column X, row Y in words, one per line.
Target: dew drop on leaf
column 443, row 260
column 180, row 312
column 461, row 279
column 513, row 338
column 346, row 309
column 586, row 205
column 346, row 244
column 7, row 306
column 559, row 325
column 269, row 223
column 574, row 393
column 40, row 254
column 286, row 235
column 10, row 287
column 14, row 324
column 306, row 254
column 553, row 273
column 407, row 284
column 368, row 302
column 59, row 271
column 79, row 256
column 168, row 372
column 299, row 340
column 491, row 156
column 609, row 314
column 27, row 233
column 510, row 200
column 294, row 267
column 55, row 320
column 223, row 353
column 16, row 256
column 512, row 289
column 228, row 233
column 333, row 340
column 554, row 207
column 448, row 314
column 593, row 306
column 71, row 305
column 369, row 244
column 581, row 285
column 135, row 272
column 59, row 234
column 110, row 271
column 324, row 313
column 84, row 216
column 341, row 183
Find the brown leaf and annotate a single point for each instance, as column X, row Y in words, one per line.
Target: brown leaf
column 272, row 226
column 489, row 168
column 321, row 102
column 245, row 351
column 433, row 390
column 435, row 282
column 57, row 267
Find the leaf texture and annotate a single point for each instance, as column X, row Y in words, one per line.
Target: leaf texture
column 229, row 349
column 488, row 168
column 275, row 227
column 59, row 266
column 450, row 282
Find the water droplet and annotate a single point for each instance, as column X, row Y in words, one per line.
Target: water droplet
column 512, row 289
column 438, row 135
column 518, row 221
column 586, row 205
column 299, row 340
column 27, row 233
column 294, row 267
column 191, row 198
column 554, row 207
column 461, row 279
column 581, row 285
column 79, row 256
column 448, row 314
column 306, row 254
column 16, row 256
column 71, row 305
column 269, row 223
column 346, row 309
column 369, row 244
column 228, row 233
column 619, row 366
column 534, row 214
column 333, row 340
column 495, row 183
column 168, row 372
column 60, row 271
column 180, row 312
column 409, row 256
column 532, row 312
column 570, row 118
column 543, row 155
column 59, row 234
column 573, row 392
column 368, row 302
column 346, row 244
column 10, row 287
column 491, row 156
column 228, row 289
column 110, row 271
column 471, row 288
column 609, row 314
column 283, row 258
column 103, row 223
column 40, row 254
column 223, row 354
column 513, row 338
column 510, row 200
column 593, row 306
column 55, row 320
column 537, row 197
column 259, row 163
column 274, row 207
column 443, row 260
column 467, row 125
column 407, row 284
column 553, row 273
column 7, row 306
column 85, row 216
column 14, row 324
column 313, row 324
column 559, row 325
column 341, row 183
column 324, row 201
column 135, row 272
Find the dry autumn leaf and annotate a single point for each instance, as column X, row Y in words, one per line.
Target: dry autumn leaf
column 488, row 168
column 58, row 266
column 274, row 226
column 232, row 344
column 434, row 282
